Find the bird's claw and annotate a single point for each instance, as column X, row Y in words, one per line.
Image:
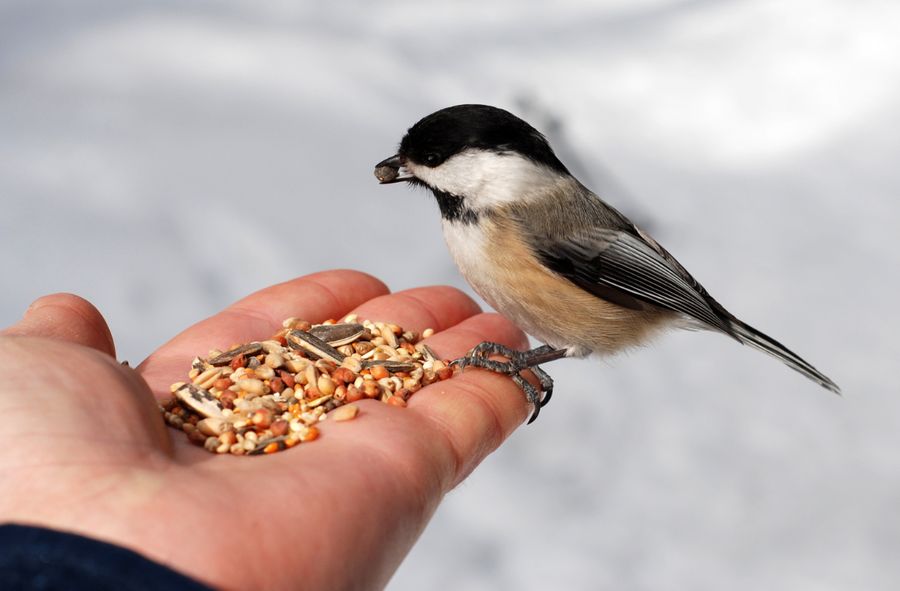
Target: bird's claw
column 517, row 362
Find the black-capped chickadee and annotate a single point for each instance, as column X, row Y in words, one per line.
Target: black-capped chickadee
column 547, row 253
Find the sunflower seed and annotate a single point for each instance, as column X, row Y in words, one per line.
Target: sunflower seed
column 386, row 174
column 337, row 334
column 302, row 340
column 228, row 356
column 391, row 366
column 200, row 401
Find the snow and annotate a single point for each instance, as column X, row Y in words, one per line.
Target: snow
column 155, row 155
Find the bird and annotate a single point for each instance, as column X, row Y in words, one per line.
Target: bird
column 544, row 251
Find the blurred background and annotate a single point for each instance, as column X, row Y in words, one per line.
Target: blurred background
column 163, row 159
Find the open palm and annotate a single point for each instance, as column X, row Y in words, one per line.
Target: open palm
column 85, row 448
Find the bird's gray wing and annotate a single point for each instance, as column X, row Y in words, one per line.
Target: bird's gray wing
column 628, row 268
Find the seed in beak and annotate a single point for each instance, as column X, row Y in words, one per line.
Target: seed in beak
column 386, row 174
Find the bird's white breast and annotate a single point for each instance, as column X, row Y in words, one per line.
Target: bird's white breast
column 466, row 243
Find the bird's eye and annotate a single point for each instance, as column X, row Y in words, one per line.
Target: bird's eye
column 432, row 159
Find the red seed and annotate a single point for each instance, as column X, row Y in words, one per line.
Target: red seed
column 353, row 394
column 276, row 385
column 396, row 401
column 227, row 399
column 379, row 372
column 238, row 361
column 280, row 427
column 445, row 373
column 223, row 384
column 262, row 417
column 287, row 378
column 342, row 375
column 371, row 389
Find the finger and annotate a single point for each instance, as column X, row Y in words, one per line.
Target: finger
column 316, row 297
column 476, row 410
column 436, row 307
column 65, row 317
column 57, row 394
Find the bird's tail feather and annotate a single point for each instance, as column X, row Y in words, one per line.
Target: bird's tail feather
column 748, row 335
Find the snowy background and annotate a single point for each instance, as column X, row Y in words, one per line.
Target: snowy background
column 160, row 159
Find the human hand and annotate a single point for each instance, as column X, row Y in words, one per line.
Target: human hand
column 85, row 448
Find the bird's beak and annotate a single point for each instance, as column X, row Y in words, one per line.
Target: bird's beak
column 392, row 170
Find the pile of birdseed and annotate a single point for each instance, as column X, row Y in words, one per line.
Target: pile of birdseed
column 266, row 396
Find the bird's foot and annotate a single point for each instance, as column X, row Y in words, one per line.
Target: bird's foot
column 517, row 362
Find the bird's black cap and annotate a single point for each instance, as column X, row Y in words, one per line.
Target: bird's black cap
column 449, row 131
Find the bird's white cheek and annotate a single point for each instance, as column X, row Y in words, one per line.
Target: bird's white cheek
column 454, row 176
column 486, row 179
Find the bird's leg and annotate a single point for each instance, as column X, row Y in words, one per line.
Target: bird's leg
column 517, row 361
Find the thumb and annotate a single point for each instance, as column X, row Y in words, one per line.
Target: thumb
column 65, row 317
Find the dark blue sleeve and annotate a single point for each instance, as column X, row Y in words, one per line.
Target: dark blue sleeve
column 34, row 558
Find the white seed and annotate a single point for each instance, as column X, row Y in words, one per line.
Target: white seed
column 252, row 386
column 318, row 401
column 325, row 385
column 353, row 363
column 274, row 360
column 272, row 346
column 344, row 413
column 264, row 372
column 389, row 337
column 212, row 426
column 311, row 374
column 296, row 365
